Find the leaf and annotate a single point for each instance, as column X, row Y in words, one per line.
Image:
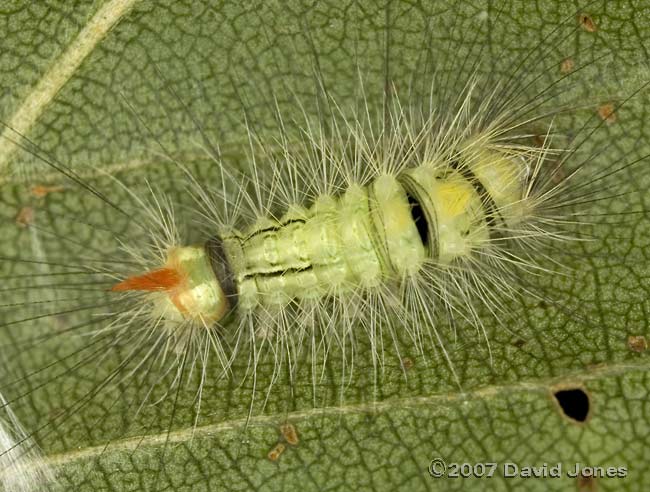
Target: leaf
column 102, row 88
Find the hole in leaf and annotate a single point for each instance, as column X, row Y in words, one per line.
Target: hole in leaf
column 574, row 403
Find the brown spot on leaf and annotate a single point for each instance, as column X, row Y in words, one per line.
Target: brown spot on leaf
column 407, row 363
column 567, row 65
column 538, row 140
column 519, row 342
column 276, row 452
column 40, row 191
column 596, row 366
column 587, row 22
column 586, row 483
column 637, row 343
column 607, row 112
column 290, row 434
column 25, row 217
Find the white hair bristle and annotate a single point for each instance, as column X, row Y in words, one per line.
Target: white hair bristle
column 22, row 466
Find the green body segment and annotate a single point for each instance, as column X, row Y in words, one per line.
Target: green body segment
column 369, row 235
column 338, row 244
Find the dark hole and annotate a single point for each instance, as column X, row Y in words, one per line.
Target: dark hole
column 574, row 403
column 519, row 343
column 419, row 218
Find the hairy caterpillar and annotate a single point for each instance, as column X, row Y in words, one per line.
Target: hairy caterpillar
column 403, row 220
column 139, row 348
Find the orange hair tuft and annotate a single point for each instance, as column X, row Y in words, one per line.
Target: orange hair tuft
column 161, row 279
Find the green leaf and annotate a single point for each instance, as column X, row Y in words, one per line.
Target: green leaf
column 116, row 89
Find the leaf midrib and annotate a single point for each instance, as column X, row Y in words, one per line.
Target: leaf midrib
column 186, row 435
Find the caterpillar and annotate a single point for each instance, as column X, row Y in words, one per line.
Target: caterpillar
column 437, row 206
column 376, row 237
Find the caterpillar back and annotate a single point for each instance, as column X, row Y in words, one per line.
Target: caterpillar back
column 438, row 219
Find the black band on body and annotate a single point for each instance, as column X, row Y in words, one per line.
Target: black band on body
column 279, row 272
column 222, row 270
column 274, row 228
column 424, row 216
